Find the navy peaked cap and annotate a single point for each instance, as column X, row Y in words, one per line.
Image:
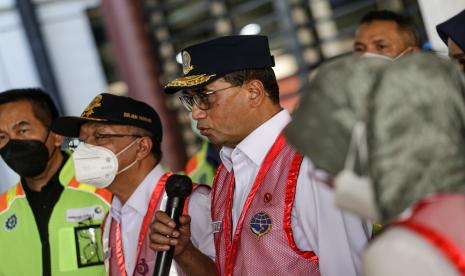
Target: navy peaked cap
column 208, row 61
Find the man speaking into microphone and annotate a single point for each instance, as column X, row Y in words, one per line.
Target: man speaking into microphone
column 271, row 215
column 120, row 149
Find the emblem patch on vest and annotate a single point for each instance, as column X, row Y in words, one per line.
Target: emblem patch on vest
column 11, row 222
column 260, row 224
column 142, row 268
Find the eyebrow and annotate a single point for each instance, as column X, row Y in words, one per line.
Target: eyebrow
column 20, row 124
column 380, row 40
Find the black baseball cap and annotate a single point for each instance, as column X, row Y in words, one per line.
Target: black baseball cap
column 208, row 61
column 112, row 109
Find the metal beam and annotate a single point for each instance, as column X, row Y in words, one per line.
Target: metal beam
column 138, row 66
column 44, row 67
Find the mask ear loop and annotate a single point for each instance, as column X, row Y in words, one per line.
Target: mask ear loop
column 123, row 150
column 357, row 146
column 401, row 54
column 363, row 147
column 127, row 147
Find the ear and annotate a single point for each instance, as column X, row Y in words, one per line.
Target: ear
column 144, row 148
column 256, row 92
column 57, row 139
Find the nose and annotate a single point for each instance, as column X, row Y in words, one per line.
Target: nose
column 198, row 113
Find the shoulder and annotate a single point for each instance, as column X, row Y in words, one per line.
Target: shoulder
column 312, row 178
column 200, row 193
column 8, row 197
column 83, row 192
column 411, row 254
column 199, row 200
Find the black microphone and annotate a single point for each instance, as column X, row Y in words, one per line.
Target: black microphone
column 178, row 188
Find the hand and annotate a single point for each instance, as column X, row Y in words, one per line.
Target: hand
column 187, row 256
column 163, row 233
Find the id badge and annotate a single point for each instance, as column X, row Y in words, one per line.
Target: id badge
column 88, row 245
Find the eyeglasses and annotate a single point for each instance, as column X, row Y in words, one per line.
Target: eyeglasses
column 100, row 138
column 200, row 99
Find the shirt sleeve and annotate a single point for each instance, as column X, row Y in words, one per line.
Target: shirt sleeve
column 336, row 237
column 201, row 223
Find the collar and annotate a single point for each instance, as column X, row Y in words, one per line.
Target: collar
column 265, row 134
column 140, row 198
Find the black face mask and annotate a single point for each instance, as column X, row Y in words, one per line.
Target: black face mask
column 28, row 158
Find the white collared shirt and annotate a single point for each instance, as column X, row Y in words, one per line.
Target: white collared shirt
column 336, row 237
column 131, row 215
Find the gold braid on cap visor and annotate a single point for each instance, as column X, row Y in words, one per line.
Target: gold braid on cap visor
column 190, row 80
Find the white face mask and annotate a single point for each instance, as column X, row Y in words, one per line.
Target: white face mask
column 355, row 193
column 368, row 54
column 96, row 165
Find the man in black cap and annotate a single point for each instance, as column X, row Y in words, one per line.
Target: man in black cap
column 45, row 216
column 452, row 32
column 119, row 149
column 271, row 215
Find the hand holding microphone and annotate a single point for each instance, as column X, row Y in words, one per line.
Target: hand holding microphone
column 170, row 229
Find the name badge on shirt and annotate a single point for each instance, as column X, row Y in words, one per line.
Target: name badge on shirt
column 87, row 213
column 216, row 226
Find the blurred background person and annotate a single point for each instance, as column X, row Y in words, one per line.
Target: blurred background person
column 50, row 222
column 395, row 152
column 386, row 33
column 452, row 32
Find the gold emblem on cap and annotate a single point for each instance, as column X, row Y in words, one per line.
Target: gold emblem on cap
column 96, row 102
column 190, row 80
column 186, row 63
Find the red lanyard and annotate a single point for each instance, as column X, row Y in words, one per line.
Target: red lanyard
column 232, row 246
column 154, row 200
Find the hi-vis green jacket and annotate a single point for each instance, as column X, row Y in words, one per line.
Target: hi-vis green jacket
column 74, row 230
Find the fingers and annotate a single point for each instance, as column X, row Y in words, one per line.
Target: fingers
column 163, row 229
column 162, row 217
column 161, row 243
column 163, row 233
